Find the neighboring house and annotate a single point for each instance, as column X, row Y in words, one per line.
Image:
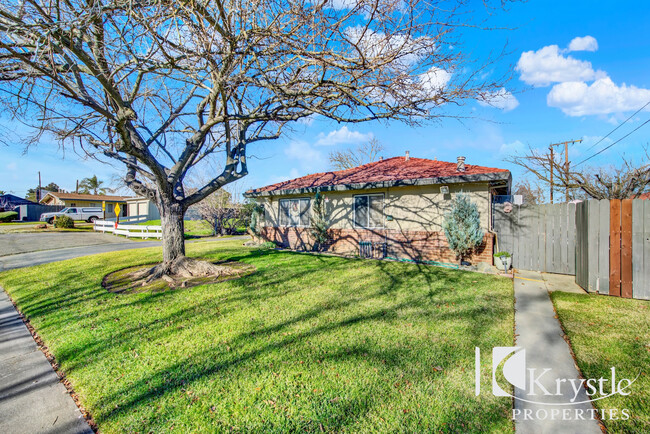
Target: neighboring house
column 143, row 207
column 87, row 200
column 398, row 203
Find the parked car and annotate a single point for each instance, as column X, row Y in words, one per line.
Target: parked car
column 75, row 213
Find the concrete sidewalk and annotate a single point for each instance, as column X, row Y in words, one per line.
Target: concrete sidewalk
column 32, row 400
column 539, row 333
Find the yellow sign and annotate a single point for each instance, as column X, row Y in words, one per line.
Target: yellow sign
column 117, row 209
column 103, row 205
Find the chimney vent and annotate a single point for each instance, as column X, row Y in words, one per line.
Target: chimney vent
column 408, row 157
column 381, row 158
column 460, row 166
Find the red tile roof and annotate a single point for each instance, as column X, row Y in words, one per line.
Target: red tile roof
column 391, row 169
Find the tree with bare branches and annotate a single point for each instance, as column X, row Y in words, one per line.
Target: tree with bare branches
column 623, row 182
column 163, row 86
column 363, row 154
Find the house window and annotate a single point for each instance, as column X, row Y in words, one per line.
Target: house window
column 294, row 212
column 73, row 204
column 369, row 211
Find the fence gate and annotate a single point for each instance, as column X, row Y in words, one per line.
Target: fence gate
column 540, row 237
column 613, row 247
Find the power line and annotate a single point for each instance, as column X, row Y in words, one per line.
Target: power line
column 607, row 147
column 619, row 126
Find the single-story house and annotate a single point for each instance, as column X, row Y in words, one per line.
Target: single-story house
column 87, row 200
column 142, row 207
column 397, row 204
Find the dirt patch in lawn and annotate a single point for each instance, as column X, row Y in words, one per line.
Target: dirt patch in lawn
column 136, row 279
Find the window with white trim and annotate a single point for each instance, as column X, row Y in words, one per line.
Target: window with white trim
column 369, row 211
column 294, row 212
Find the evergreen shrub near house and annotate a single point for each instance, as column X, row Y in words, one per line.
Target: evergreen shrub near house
column 256, row 211
column 64, row 222
column 319, row 223
column 8, row 216
column 462, row 226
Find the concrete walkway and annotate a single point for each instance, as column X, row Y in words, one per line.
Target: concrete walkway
column 32, row 400
column 539, row 333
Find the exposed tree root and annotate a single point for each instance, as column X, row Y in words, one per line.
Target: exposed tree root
column 185, row 267
column 182, row 273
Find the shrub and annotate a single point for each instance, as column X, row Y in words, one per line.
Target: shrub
column 8, row 216
column 63, row 222
column 502, row 255
column 267, row 245
column 462, row 226
column 319, row 224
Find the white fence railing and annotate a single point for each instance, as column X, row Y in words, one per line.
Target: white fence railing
column 135, row 231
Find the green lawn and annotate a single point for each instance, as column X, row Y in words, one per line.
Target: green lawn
column 306, row 343
column 608, row 332
column 197, row 228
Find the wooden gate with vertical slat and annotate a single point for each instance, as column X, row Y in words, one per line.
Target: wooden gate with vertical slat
column 605, row 243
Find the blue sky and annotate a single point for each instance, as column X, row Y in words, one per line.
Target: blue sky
column 579, row 69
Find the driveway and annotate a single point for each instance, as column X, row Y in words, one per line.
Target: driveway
column 24, row 242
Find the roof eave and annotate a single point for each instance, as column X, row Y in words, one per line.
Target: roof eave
column 457, row 179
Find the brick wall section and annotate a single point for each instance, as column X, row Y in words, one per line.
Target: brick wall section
column 421, row 245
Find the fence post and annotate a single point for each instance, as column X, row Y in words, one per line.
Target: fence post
column 615, row 247
column 626, row 248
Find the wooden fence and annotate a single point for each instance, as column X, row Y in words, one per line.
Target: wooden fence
column 136, row 231
column 605, row 243
column 539, row 237
column 614, row 247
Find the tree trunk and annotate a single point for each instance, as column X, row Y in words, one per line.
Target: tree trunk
column 171, row 219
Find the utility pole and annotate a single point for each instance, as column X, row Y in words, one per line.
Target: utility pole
column 38, row 192
column 566, row 165
column 551, row 161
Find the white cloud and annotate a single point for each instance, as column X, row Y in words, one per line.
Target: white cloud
column 342, row 136
column 12, row 166
column 342, row 4
column 585, row 43
column 404, row 49
column 308, row 120
column 513, row 148
column 299, row 150
column 435, row 79
column 501, row 99
column 603, row 96
column 547, row 65
column 306, row 157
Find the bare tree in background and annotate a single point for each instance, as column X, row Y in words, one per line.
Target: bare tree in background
column 362, row 154
column 623, row 182
column 223, row 211
column 160, row 86
column 532, row 193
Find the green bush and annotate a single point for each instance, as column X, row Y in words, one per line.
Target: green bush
column 8, row 216
column 268, row 245
column 63, row 222
column 502, row 255
column 462, row 226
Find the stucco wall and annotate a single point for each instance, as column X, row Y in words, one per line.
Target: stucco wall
column 413, row 208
